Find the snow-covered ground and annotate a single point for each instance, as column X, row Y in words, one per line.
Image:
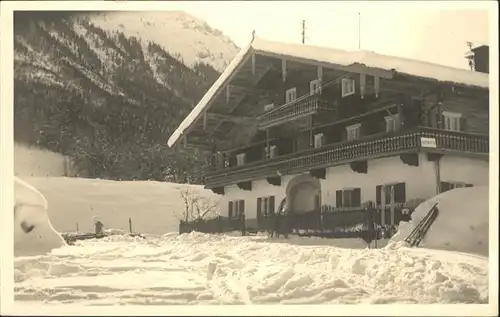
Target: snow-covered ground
column 153, row 207
column 199, row 268
column 221, row 269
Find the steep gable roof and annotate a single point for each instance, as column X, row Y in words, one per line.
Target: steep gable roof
column 334, row 57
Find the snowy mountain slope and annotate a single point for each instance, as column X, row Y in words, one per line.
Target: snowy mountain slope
column 109, row 97
column 176, row 32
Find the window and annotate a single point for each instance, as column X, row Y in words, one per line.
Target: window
column 451, row 121
column 319, row 139
column 446, row 186
column 387, row 189
column 291, row 95
column 269, row 107
column 271, row 151
column 392, row 123
column 348, row 197
column 236, row 208
column 315, row 86
column 240, row 159
column 265, row 206
column 353, row 132
column 348, row 87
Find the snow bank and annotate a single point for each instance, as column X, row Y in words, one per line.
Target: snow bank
column 462, row 224
column 33, row 232
column 198, row 268
column 154, row 207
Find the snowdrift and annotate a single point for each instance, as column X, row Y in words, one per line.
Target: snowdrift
column 462, row 224
column 33, row 231
column 154, row 207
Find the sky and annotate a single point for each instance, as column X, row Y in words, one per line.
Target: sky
column 434, row 33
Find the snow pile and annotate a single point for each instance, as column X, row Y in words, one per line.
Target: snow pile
column 462, row 224
column 33, row 232
column 198, row 268
column 153, row 207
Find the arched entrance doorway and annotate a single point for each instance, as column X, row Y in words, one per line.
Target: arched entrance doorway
column 303, row 194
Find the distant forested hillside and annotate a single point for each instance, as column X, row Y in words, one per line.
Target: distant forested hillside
column 107, row 100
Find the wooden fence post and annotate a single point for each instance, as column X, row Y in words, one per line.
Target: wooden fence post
column 130, row 225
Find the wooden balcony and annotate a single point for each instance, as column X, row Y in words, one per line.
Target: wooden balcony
column 369, row 147
column 296, row 109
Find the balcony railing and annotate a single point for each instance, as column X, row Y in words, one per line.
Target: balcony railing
column 296, row 109
column 369, row 147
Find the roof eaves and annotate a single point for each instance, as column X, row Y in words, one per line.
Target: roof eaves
column 209, row 96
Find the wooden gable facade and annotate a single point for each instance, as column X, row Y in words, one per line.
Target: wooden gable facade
column 278, row 114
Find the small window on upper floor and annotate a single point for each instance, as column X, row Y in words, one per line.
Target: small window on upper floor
column 240, row 159
column 353, row 132
column 315, row 86
column 291, row 95
column 452, row 121
column 348, row 87
column 318, row 140
column 269, row 107
column 392, row 123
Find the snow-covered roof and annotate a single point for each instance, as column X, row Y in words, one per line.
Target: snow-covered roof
column 335, row 57
column 371, row 59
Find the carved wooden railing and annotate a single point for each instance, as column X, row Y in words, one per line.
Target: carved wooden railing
column 369, row 147
column 293, row 110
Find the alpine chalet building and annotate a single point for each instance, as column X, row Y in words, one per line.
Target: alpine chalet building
column 332, row 129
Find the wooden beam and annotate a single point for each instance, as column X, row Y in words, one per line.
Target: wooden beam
column 283, row 69
column 205, row 120
column 255, row 82
column 362, row 84
column 227, row 117
column 376, row 83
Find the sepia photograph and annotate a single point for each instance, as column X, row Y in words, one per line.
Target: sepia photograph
column 250, row 153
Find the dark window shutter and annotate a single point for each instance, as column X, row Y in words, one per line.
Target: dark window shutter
column 356, row 197
column 445, row 186
column 469, row 185
column 378, row 194
column 463, row 124
column 259, row 207
column 338, row 194
column 241, row 209
column 400, row 193
column 230, row 209
column 271, row 204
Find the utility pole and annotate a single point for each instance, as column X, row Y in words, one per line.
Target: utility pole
column 303, row 31
column 470, row 55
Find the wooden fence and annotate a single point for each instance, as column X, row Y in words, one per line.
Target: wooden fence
column 215, row 225
column 328, row 222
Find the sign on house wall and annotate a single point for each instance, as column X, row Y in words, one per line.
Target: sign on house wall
column 428, row 142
